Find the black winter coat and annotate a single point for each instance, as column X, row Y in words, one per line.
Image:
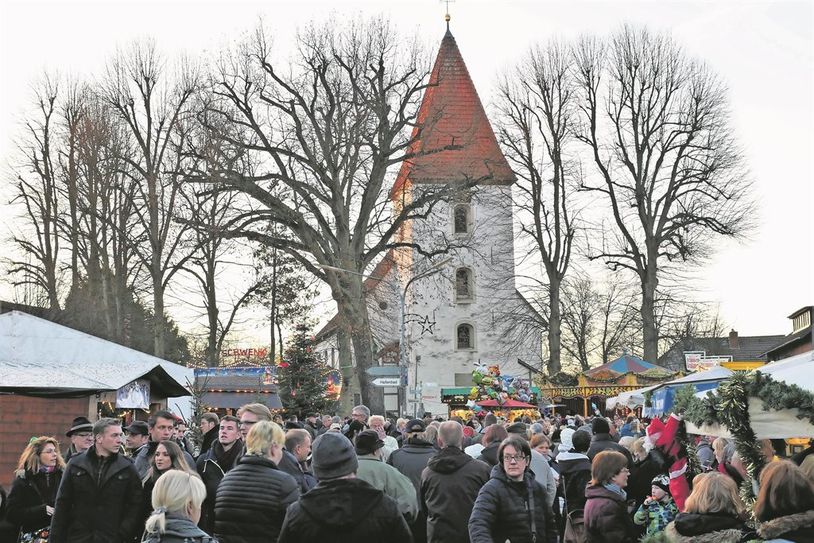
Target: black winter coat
column 212, row 473
column 99, row 501
column 504, row 509
column 251, row 501
column 708, row 528
column 575, row 474
column 642, row 474
column 604, row 442
column 449, row 486
column 412, row 458
column 344, row 511
column 489, row 453
column 29, row 495
column 290, row 465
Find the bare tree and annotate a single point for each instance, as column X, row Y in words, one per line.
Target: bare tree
column 327, row 129
column 37, row 191
column 657, row 125
column 537, row 116
column 599, row 319
column 155, row 108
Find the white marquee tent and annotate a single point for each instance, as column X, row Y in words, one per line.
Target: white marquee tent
column 40, row 357
column 771, row 423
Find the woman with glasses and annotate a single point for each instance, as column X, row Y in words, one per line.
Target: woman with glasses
column 32, row 496
column 606, row 516
column 512, row 505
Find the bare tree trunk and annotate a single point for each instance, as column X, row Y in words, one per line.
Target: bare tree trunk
column 554, row 332
column 650, row 332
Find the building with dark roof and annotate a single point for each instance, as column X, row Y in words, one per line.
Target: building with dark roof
column 734, row 352
column 799, row 341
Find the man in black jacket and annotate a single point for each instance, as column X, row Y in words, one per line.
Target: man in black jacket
column 210, row 428
column 449, row 487
column 410, row 460
column 217, row 462
column 342, row 508
column 162, row 427
column 99, row 499
column 602, row 441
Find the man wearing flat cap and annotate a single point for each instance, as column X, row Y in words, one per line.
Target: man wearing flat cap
column 342, row 507
column 137, row 436
column 81, row 436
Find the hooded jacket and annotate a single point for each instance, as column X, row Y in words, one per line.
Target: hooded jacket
column 707, row 528
column 251, row 501
column 797, row 528
column 179, row 530
column 449, row 486
column 575, row 475
column 344, row 511
column 504, row 509
column 489, row 453
column 606, row 517
column 99, row 501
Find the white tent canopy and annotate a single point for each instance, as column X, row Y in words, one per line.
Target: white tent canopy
column 40, row 356
column 771, row 423
column 631, row 398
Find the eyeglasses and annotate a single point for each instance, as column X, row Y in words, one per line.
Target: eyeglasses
column 514, row 458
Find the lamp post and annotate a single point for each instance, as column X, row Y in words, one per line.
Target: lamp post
column 435, row 268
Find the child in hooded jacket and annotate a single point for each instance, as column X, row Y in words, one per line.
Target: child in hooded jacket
column 659, row 509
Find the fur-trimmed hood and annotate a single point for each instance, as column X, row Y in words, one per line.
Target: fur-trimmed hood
column 706, row 528
column 789, row 527
column 732, row 535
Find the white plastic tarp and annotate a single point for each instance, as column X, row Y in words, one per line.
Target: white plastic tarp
column 631, row 398
column 774, row 424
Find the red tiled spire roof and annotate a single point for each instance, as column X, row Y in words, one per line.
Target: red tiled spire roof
column 451, row 113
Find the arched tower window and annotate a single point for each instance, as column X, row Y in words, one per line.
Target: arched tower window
column 464, row 337
column 461, row 217
column 463, row 285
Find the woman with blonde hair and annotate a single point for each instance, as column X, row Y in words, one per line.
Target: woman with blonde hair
column 785, row 504
column 176, row 501
column 713, row 512
column 252, row 498
column 34, row 491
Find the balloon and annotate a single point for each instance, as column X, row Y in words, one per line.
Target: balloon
column 511, row 390
column 470, row 404
column 487, row 380
column 477, row 377
column 477, row 409
column 492, row 394
column 524, row 398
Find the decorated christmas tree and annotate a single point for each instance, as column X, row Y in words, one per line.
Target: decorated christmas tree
column 303, row 378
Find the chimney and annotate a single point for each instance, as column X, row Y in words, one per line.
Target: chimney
column 733, row 339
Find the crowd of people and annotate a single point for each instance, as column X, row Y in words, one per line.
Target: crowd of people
column 254, row 477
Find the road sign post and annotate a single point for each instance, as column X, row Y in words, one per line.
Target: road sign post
column 387, row 381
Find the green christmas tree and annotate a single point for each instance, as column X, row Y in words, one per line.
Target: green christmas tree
column 302, row 377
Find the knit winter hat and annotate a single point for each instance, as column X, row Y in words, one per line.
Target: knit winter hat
column 661, row 481
column 333, row 456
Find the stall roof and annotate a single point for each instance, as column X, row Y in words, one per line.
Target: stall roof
column 40, row 357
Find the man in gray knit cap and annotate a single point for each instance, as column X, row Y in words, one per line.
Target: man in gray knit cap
column 342, row 507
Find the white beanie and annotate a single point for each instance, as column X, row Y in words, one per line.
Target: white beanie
column 566, row 439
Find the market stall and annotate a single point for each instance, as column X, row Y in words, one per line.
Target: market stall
column 660, row 398
column 594, row 387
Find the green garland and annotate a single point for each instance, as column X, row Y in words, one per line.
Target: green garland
column 778, row 395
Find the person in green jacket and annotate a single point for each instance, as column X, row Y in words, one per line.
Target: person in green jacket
column 378, row 474
column 659, row 509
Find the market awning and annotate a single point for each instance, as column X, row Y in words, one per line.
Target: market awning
column 631, row 398
column 509, row 404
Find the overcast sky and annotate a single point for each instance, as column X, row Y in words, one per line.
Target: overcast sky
column 763, row 50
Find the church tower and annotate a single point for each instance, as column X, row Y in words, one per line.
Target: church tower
column 469, row 311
